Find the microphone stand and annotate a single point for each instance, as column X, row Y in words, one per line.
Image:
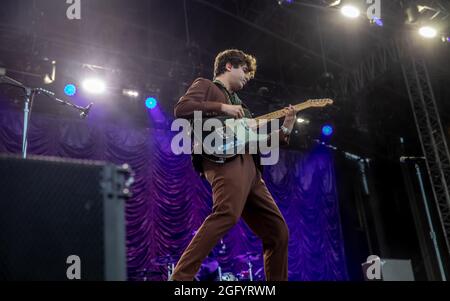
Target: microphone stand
column 30, row 94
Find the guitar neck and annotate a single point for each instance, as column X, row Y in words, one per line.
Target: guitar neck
column 279, row 114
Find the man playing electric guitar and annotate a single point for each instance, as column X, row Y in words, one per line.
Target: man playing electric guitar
column 237, row 186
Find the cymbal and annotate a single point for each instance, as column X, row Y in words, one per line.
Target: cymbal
column 164, row 260
column 249, row 256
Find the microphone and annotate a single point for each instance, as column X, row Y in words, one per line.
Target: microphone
column 85, row 112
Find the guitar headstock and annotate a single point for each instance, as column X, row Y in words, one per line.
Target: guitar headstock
column 322, row 102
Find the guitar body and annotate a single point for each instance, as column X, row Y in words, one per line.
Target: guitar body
column 229, row 138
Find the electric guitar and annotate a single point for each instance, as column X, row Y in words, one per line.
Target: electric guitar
column 226, row 137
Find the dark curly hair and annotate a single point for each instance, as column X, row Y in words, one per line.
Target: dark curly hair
column 236, row 58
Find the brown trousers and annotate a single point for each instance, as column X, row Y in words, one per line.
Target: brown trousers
column 238, row 190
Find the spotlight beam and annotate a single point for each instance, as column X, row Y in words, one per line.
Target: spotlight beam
column 94, row 85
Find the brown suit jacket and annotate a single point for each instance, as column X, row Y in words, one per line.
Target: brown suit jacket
column 205, row 96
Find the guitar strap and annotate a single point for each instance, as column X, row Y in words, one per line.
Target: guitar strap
column 233, row 98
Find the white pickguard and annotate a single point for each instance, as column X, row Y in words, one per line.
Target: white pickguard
column 243, row 133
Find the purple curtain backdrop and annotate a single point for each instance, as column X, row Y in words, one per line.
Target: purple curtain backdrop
column 170, row 201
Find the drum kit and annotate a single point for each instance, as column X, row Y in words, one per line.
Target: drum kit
column 211, row 270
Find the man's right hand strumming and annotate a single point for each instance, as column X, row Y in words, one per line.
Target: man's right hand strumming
column 235, row 111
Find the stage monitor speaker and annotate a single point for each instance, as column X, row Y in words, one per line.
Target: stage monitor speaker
column 62, row 219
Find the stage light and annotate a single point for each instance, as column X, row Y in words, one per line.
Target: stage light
column 50, row 78
column 327, row 130
column 412, row 14
column 428, row 32
column 94, row 85
column 301, row 120
column 130, row 93
column 350, row 11
column 377, row 21
column 151, row 103
column 333, row 3
column 70, row 89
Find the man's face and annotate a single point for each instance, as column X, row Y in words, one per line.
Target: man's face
column 238, row 77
